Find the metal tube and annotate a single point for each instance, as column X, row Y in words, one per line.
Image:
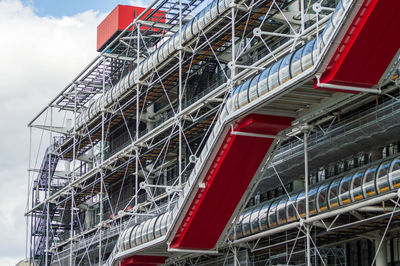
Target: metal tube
column 48, row 190
column 180, row 95
column 308, row 248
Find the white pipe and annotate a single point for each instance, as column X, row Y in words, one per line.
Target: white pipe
column 318, row 217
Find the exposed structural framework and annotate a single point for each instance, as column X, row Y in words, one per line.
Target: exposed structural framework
column 225, row 132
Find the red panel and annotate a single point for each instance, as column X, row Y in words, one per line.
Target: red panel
column 227, row 179
column 143, row 260
column 368, row 46
column 119, row 19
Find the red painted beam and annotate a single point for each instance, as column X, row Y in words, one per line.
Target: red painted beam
column 368, row 47
column 139, row 260
column 226, row 181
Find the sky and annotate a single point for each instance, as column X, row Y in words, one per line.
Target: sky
column 44, row 44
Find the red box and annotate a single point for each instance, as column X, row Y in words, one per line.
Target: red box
column 119, row 19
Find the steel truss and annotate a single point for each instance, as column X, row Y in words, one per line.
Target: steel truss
column 130, row 161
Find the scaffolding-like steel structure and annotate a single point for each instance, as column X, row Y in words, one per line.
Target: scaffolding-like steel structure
column 137, row 129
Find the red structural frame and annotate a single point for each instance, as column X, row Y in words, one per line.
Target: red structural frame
column 226, row 181
column 119, row 19
column 368, row 47
column 139, row 260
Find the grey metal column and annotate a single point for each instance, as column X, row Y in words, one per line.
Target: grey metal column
column 305, row 130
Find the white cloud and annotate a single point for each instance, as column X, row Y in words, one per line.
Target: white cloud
column 39, row 56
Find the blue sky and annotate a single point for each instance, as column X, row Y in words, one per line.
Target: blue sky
column 59, row 8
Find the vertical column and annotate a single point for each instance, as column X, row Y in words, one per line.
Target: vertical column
column 180, row 95
column 137, row 118
column 380, row 251
column 101, row 163
column 305, row 131
column 27, row 201
column 49, row 150
column 73, row 179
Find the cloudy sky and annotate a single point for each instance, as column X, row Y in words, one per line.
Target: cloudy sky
column 43, row 45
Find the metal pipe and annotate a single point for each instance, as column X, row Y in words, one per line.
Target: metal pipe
column 318, row 217
column 308, row 248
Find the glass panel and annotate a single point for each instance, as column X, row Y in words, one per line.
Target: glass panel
column 201, row 19
column 239, row 231
column 312, row 206
column 253, row 94
column 195, row 26
column 296, row 62
column 281, row 211
column 291, row 208
column 369, row 181
column 395, row 173
column 138, row 235
column 158, row 226
column 273, row 79
column 124, row 239
column 214, row 10
column 133, row 236
column 262, row 86
column 150, row 230
column 284, row 69
column 144, row 231
column 333, row 193
column 328, row 31
column 301, row 204
column 246, row 222
column 382, row 180
column 207, row 14
column 306, row 60
column 272, row 214
column 254, row 221
column 322, row 197
column 356, row 186
column 262, row 217
column 235, row 97
column 243, row 94
column 345, row 189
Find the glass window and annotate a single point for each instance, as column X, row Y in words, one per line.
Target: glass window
column 254, row 221
column 356, row 186
column 382, row 180
column 144, row 231
column 243, row 98
column 322, row 197
column 246, row 222
column 312, row 195
column 158, row 226
column 262, row 86
column 306, row 60
column 291, row 208
column 138, row 235
column 284, row 69
column 238, row 227
column 333, row 193
column 281, row 211
column 369, row 181
column 263, row 216
column 395, row 173
column 214, row 9
column 272, row 214
column 345, row 189
column 301, row 204
column 207, row 14
column 150, row 230
column 201, row 19
column 273, row 79
column 296, row 62
column 133, row 236
column 253, row 94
